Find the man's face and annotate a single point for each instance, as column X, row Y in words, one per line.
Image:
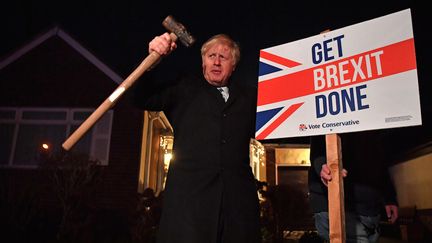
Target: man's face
column 218, row 65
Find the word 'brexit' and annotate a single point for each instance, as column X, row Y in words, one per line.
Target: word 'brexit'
column 348, row 71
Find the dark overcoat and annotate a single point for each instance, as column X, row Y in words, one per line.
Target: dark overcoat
column 210, row 188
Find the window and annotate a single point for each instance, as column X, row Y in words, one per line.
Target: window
column 24, row 131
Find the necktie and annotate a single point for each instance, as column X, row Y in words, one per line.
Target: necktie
column 224, row 92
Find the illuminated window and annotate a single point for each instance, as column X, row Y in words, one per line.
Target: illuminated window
column 166, row 146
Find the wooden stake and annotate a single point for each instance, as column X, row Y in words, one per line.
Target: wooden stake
column 335, row 189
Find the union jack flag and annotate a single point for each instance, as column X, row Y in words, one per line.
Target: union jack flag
column 271, row 112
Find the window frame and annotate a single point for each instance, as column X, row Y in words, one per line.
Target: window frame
column 68, row 121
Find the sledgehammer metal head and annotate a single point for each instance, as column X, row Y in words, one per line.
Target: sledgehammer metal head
column 179, row 30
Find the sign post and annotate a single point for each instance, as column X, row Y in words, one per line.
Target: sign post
column 335, row 190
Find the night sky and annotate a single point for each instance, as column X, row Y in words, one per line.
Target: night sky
column 118, row 33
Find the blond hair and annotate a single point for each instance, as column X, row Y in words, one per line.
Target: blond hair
column 222, row 39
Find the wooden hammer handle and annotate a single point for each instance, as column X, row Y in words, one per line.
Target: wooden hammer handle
column 152, row 59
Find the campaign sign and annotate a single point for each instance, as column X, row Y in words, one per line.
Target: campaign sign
column 360, row 77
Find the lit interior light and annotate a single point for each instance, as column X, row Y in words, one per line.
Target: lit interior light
column 167, row 158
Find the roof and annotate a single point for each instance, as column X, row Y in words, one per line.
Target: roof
column 58, row 32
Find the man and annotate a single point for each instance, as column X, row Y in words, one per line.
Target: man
column 367, row 185
column 210, row 194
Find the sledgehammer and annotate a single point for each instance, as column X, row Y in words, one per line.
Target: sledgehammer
column 177, row 31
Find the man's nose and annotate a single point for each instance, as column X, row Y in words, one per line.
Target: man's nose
column 217, row 61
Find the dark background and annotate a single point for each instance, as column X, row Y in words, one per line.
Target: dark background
column 118, row 32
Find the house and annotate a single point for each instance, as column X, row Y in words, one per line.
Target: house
column 48, row 88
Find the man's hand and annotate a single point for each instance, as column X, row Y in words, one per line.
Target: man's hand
column 162, row 44
column 326, row 176
column 392, row 213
